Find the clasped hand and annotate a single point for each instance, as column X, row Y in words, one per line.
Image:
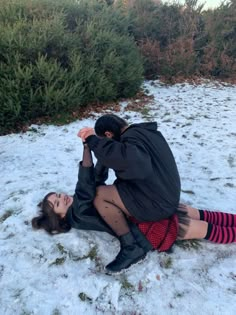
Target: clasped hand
column 85, row 132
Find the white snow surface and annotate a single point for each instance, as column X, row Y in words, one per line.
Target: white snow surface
column 53, row 275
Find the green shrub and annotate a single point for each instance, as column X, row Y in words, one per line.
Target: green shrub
column 182, row 39
column 164, row 36
column 219, row 51
column 58, row 55
column 155, row 21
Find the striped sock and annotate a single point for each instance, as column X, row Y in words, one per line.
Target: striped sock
column 218, row 218
column 221, row 234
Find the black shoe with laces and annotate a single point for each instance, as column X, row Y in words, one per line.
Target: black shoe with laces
column 130, row 253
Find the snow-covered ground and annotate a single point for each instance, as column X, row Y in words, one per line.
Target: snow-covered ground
column 45, row 275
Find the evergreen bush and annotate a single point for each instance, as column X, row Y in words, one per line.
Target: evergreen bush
column 57, row 55
column 219, row 50
column 183, row 39
column 163, row 33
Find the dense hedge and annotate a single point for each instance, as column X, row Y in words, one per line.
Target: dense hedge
column 184, row 39
column 57, row 55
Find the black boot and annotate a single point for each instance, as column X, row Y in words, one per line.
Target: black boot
column 130, row 253
column 140, row 237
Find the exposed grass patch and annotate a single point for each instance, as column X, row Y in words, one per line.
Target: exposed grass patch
column 1, row 270
column 224, row 254
column 140, row 105
column 232, row 290
column 84, row 297
column 15, row 194
column 68, row 150
column 229, row 185
column 166, row 262
column 63, row 118
column 58, row 261
column 56, row 312
column 178, row 294
column 186, row 125
column 145, row 111
column 6, row 215
column 165, row 114
column 232, row 275
column 11, row 235
column 214, row 178
column 22, row 192
column 17, row 293
column 231, row 160
column 8, row 182
column 191, row 117
column 92, row 254
column 33, row 129
column 190, row 192
column 125, row 284
column 189, row 244
column 61, row 248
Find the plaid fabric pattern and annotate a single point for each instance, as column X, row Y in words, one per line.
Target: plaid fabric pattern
column 161, row 234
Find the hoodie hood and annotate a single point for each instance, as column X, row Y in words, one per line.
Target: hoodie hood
column 152, row 126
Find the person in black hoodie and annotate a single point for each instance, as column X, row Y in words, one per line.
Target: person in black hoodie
column 147, row 185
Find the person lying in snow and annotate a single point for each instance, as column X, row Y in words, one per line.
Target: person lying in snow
column 147, row 185
column 61, row 212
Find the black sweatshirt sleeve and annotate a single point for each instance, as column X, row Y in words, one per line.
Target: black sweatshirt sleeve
column 129, row 159
column 86, row 187
column 82, row 214
column 101, row 173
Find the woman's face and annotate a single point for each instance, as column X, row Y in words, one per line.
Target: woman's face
column 61, row 202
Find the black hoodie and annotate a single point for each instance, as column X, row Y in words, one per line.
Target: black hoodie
column 148, row 181
column 82, row 214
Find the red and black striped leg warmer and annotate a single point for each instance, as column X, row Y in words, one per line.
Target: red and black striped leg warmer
column 218, row 218
column 221, row 234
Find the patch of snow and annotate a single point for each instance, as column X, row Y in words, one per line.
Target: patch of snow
column 40, row 274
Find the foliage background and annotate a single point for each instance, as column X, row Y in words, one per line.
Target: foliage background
column 59, row 55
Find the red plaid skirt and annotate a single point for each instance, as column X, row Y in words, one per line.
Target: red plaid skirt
column 161, row 234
